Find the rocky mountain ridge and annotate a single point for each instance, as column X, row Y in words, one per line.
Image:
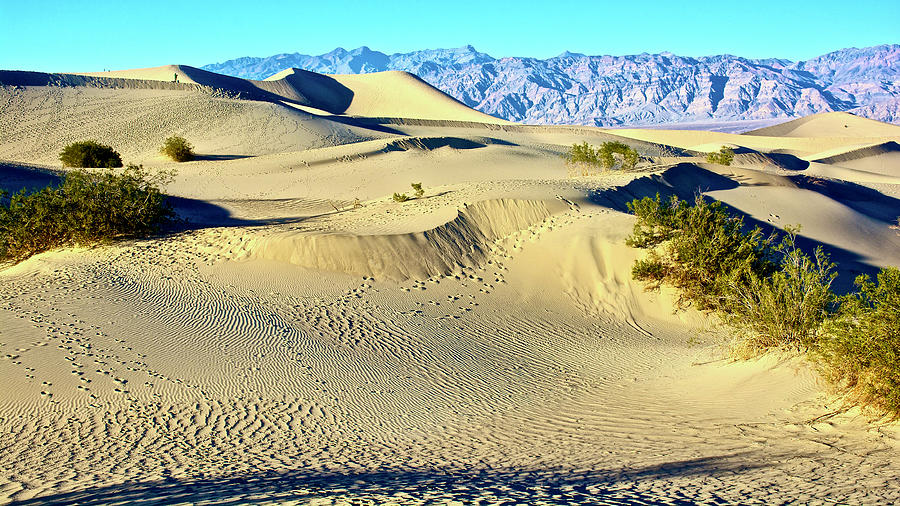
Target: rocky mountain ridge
column 644, row 89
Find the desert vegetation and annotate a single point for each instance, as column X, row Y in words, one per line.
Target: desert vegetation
column 90, row 154
column 861, row 346
column 585, row 159
column 86, row 208
column 699, row 249
column 724, row 156
column 418, row 191
column 178, row 148
column 772, row 294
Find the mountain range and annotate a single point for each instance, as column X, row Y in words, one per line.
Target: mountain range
column 643, row 89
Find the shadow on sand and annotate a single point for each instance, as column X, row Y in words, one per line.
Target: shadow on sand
column 549, row 486
column 192, row 213
column 218, row 158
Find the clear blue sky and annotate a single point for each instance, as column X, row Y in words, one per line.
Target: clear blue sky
column 90, row 35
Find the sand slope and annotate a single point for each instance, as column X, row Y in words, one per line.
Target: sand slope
column 829, row 124
column 483, row 344
column 37, row 123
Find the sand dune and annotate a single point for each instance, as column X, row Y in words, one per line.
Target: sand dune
column 483, row 343
column 881, row 158
column 380, row 94
column 38, row 123
column 829, row 124
column 167, row 73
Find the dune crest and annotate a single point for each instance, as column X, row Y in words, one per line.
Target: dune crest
column 465, row 241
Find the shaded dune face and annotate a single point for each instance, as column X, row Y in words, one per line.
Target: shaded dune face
column 311, row 89
column 300, row 335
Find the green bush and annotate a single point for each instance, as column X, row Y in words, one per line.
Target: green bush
column 701, row 250
column 584, row 156
column 724, row 157
column 787, row 308
column 608, row 150
column 400, row 197
column 418, row 190
column 178, row 149
column 773, row 294
column 90, row 154
column 86, row 208
column 861, row 346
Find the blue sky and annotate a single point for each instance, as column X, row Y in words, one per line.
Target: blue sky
column 90, row 35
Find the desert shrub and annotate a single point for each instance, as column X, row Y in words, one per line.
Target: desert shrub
column 178, row 149
column 584, row 157
column 418, row 190
column 400, row 197
column 701, row 250
column 608, row 150
column 772, row 293
column 724, row 156
column 860, row 348
column 787, row 308
column 583, row 153
column 86, row 208
column 90, row 154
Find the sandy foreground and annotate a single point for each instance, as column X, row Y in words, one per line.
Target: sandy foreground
column 484, row 344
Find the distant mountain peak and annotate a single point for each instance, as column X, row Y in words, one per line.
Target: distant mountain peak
column 646, row 88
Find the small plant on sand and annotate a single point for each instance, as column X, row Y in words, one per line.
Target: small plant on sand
column 417, row 190
column 90, row 154
column 86, row 208
column 724, row 156
column 178, row 148
column 356, row 203
column 400, row 197
column 860, row 349
column 583, row 158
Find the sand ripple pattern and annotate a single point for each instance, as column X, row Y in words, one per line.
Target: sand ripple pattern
column 291, row 397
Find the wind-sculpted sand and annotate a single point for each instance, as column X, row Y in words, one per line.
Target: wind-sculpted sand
column 482, row 344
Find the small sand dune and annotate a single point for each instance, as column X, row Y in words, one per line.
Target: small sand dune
column 829, row 124
column 803, row 138
column 465, row 241
column 881, row 158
